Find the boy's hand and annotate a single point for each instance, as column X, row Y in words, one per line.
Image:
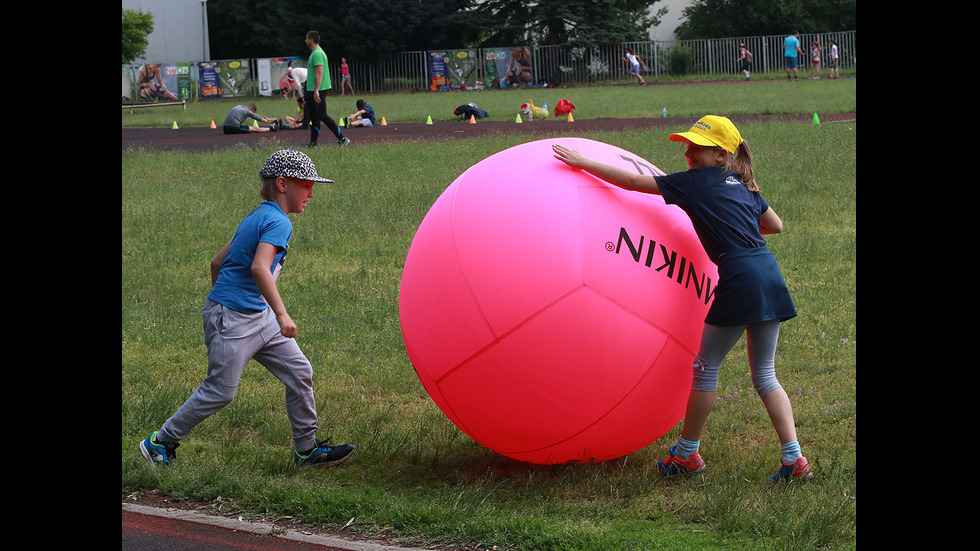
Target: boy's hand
column 287, row 326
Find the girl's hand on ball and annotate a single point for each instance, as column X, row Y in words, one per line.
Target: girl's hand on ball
column 568, row 156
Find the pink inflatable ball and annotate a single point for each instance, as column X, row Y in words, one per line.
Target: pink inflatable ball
column 553, row 317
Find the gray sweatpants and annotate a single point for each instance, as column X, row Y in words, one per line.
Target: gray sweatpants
column 717, row 341
column 234, row 338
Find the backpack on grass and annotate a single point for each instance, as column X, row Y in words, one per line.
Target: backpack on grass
column 464, row 111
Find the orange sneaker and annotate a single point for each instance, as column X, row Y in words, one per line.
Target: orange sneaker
column 675, row 465
column 797, row 469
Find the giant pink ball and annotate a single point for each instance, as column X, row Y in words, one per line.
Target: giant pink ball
column 553, row 317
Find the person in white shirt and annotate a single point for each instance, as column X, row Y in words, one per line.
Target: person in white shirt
column 635, row 62
column 833, row 58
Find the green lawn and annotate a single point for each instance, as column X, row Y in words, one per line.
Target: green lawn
column 415, row 477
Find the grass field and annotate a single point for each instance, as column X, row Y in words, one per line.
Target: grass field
column 767, row 97
column 415, row 477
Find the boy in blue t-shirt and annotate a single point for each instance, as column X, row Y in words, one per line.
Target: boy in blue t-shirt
column 245, row 318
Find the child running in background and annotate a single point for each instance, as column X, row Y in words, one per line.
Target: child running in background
column 635, row 61
column 720, row 194
column 745, row 61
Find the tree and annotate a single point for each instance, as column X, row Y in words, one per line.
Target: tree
column 366, row 28
column 565, row 22
column 348, row 28
column 255, row 28
column 731, row 18
column 136, row 27
column 371, row 27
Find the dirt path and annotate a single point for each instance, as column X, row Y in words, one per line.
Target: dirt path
column 204, row 139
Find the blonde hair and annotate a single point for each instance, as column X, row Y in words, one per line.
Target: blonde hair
column 269, row 189
column 742, row 163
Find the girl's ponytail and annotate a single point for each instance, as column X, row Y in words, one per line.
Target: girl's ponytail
column 742, row 163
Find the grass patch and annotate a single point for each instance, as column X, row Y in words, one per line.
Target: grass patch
column 417, row 478
column 766, row 97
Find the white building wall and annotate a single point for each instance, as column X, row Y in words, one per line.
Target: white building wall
column 670, row 20
column 178, row 30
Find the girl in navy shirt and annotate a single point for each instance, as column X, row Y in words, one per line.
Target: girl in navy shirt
column 721, row 196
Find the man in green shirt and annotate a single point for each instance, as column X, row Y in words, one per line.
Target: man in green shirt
column 317, row 84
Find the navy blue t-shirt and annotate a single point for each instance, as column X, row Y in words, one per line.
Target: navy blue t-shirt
column 370, row 112
column 725, row 214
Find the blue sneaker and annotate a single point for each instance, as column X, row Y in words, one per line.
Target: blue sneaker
column 797, row 469
column 157, row 452
column 675, row 465
column 323, row 455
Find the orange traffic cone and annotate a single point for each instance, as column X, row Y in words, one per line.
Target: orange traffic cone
column 472, row 119
column 384, row 122
column 212, row 124
column 570, row 119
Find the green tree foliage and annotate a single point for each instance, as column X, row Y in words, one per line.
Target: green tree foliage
column 136, row 27
column 564, row 22
column 352, row 28
column 365, row 28
column 254, row 28
column 731, row 18
column 370, row 27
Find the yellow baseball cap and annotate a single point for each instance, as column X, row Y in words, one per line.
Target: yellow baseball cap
column 711, row 131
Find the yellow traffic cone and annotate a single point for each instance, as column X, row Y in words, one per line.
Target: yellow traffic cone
column 255, row 123
column 472, row 119
column 428, row 120
column 518, row 119
column 212, row 124
column 570, row 119
column 175, row 125
column 384, row 122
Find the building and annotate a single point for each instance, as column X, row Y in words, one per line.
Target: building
column 179, row 30
column 670, row 21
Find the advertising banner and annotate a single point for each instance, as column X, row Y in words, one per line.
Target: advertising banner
column 462, row 68
column 224, row 79
column 437, row 70
column 513, row 66
column 208, row 77
column 164, row 81
column 183, row 80
column 272, row 74
column 495, row 63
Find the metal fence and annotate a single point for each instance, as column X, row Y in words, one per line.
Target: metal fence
column 557, row 64
column 553, row 65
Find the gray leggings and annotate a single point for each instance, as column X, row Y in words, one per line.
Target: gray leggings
column 234, row 338
column 717, row 341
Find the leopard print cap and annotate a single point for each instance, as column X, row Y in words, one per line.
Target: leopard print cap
column 291, row 164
